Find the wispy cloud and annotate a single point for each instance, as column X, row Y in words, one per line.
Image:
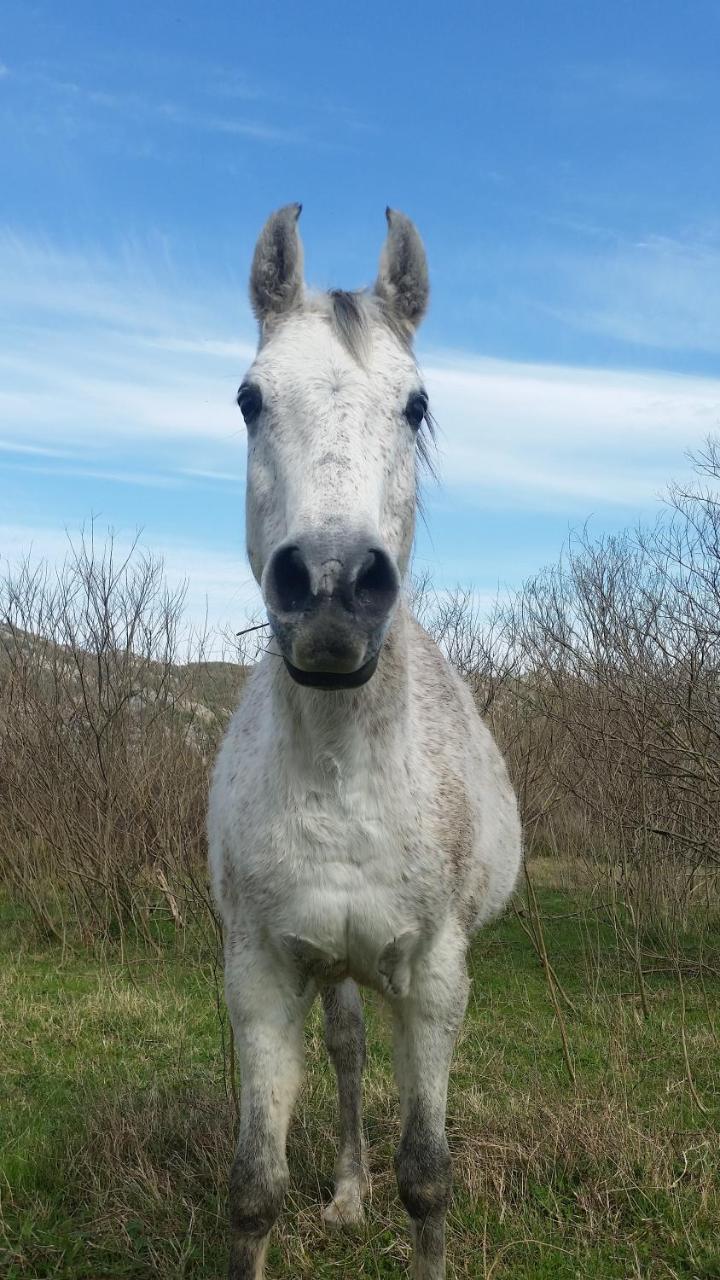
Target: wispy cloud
column 145, row 479
column 223, row 349
column 95, row 348
column 120, row 370
column 653, row 292
column 644, row 292
column 35, row 450
column 526, row 434
column 628, row 82
column 78, row 100
column 256, row 129
column 137, row 367
column 221, row 477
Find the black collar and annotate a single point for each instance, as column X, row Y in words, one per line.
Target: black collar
column 333, row 679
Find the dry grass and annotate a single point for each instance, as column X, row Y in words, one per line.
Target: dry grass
column 120, row 1126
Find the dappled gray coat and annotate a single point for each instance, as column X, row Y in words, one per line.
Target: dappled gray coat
column 362, row 823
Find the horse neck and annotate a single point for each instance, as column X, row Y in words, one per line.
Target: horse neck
column 345, row 732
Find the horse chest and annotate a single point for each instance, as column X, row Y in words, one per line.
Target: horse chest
column 345, row 888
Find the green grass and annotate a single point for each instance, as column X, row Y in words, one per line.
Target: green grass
column 116, row 1125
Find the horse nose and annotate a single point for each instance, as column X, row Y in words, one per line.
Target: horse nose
column 351, row 574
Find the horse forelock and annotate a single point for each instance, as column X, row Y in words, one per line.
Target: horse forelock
column 352, row 314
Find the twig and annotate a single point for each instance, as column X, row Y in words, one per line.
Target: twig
column 247, row 630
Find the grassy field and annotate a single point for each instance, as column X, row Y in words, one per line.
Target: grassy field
column 116, row 1122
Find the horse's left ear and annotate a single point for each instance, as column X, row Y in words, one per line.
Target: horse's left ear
column 402, row 281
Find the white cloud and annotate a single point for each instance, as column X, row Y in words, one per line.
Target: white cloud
column 255, row 129
column 656, row 292
column 628, row 82
column 138, row 289
column 95, row 348
column 101, row 355
column 222, row 477
column 79, row 100
column 224, row 350
column 526, row 433
column 36, row 450
column 146, row 479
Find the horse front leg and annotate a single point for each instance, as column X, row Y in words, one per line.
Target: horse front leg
column 426, row 1024
column 267, row 1016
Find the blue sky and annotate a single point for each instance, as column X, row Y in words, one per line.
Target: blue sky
column 561, row 160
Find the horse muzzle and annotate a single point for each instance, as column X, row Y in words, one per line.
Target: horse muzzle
column 330, row 602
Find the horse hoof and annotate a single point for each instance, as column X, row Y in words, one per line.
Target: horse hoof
column 344, row 1211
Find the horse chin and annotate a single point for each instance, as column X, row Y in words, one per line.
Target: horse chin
column 332, row 680
column 328, row 649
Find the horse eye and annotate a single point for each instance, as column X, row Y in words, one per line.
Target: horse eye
column 249, row 398
column 416, row 408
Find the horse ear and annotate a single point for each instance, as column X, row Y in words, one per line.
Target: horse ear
column 276, row 278
column 402, row 281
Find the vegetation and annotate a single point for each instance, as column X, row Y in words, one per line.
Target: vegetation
column 585, row 1101
column 118, row 1124
column 107, row 732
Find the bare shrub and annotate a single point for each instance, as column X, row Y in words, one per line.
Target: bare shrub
column 621, row 645
column 601, row 678
column 107, row 729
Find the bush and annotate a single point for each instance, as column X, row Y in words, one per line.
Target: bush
column 600, row 678
column 105, row 741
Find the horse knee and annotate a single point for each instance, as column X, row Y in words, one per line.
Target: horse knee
column 424, row 1172
column 257, row 1191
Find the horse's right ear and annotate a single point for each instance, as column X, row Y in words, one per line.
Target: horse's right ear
column 402, row 281
column 276, row 279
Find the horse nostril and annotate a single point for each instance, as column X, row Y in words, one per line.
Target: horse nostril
column 290, row 580
column 377, row 582
column 344, row 576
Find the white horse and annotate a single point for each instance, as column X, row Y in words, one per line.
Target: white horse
column 362, row 824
